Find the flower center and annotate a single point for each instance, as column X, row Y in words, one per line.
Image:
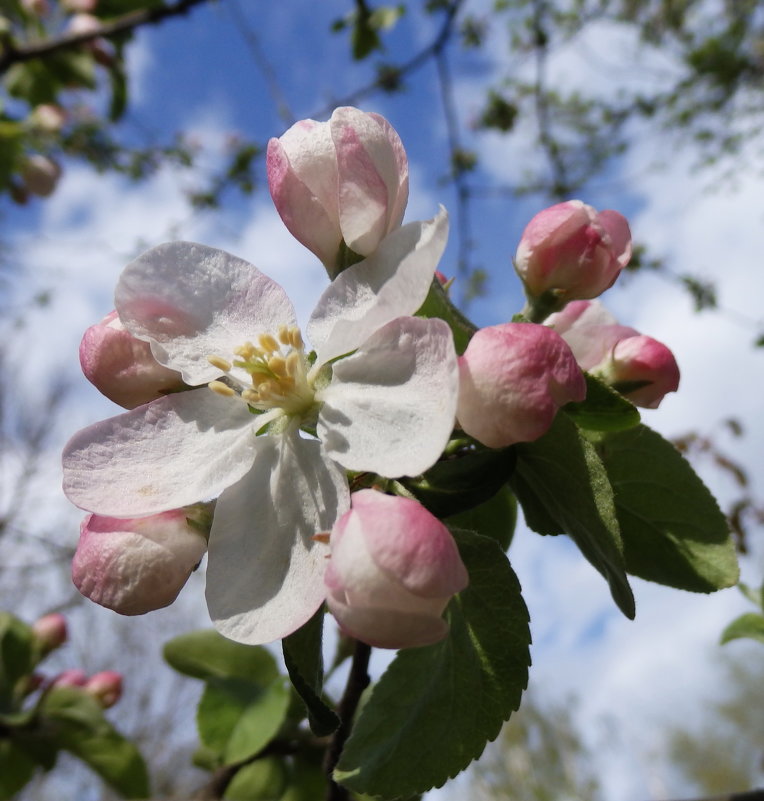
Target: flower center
column 278, row 373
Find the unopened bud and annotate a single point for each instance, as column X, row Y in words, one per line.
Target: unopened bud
column 393, row 569
column 48, row 117
column 70, row 678
column 512, row 380
column 570, row 251
column 50, row 631
column 123, row 367
column 105, row 687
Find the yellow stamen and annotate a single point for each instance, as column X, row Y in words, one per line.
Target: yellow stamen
column 295, row 338
column 268, row 343
column 284, row 335
column 221, row 389
column 250, row 396
column 277, row 365
column 220, row 363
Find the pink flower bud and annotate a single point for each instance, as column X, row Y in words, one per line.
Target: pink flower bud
column 639, row 367
column 573, row 251
column 50, row 631
column 134, row 566
column 105, row 687
column 123, row 367
column 70, row 678
column 392, row 571
column 512, row 380
column 40, row 175
column 342, row 180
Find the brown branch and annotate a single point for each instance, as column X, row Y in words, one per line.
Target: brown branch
column 358, row 681
column 13, row 54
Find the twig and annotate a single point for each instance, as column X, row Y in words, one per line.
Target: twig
column 358, row 680
column 13, row 54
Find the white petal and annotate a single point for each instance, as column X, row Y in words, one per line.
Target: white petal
column 265, row 572
column 391, row 283
column 172, row 452
column 390, row 407
column 191, row 302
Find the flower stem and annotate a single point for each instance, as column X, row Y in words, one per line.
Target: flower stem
column 358, row 680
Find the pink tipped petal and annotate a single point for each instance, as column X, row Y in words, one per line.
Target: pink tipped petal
column 593, row 344
column 617, row 227
column 391, row 283
column 390, row 407
column 373, row 172
column 406, row 541
column 167, row 454
column 265, row 572
column 191, row 302
column 643, row 359
column 387, row 628
column 301, row 211
column 122, row 367
column 579, row 313
column 513, row 379
column 134, row 566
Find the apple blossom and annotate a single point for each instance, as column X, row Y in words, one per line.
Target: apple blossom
column 386, row 406
column 40, row 174
column 512, row 380
column 572, row 252
column 392, row 571
column 136, row 565
column 105, row 687
column 122, row 367
column 639, row 367
column 341, row 183
column 48, row 117
column 50, row 631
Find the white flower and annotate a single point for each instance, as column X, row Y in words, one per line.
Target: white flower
column 388, row 407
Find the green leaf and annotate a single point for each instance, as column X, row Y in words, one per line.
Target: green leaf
column 750, row 626
column 754, row 596
column 496, row 518
column 16, row 769
column 208, row 655
column 237, row 718
column 304, row 661
column 437, row 304
column 307, row 780
column 603, row 410
column 673, row 530
column 462, row 481
column 263, row 780
column 435, row 708
column 17, row 656
column 562, row 486
column 79, row 726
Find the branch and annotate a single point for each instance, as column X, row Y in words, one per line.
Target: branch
column 415, row 62
column 358, row 681
column 148, row 16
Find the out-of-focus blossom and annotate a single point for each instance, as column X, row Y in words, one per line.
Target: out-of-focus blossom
column 573, row 251
column 339, row 184
column 39, row 8
column 134, row 566
column 79, row 6
column 122, row 367
column 105, row 687
column 40, row 175
column 74, row 677
column 48, row 117
column 393, row 568
column 50, row 631
column 512, row 380
column 639, row 367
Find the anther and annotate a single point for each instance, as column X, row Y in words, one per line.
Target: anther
column 277, row 365
column 284, row 335
column 322, row 537
column 221, row 389
column 268, row 343
column 295, row 338
column 220, row 363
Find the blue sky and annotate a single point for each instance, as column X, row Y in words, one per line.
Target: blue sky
column 198, row 74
